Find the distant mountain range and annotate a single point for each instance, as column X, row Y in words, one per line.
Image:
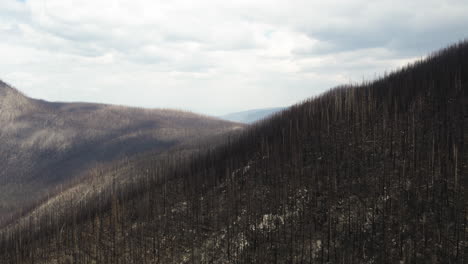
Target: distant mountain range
column 251, row 116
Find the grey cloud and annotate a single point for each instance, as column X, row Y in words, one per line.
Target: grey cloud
column 407, row 28
column 229, row 52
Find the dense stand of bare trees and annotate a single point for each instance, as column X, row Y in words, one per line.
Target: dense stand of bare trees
column 374, row 173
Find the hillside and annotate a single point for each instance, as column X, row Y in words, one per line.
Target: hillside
column 372, row 173
column 45, row 145
column 251, row 116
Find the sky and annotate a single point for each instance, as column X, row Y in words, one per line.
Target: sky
column 214, row 56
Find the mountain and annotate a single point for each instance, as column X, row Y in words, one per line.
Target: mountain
column 45, row 145
column 251, row 116
column 371, row 173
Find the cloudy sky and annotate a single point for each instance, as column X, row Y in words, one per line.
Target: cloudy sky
column 213, row 56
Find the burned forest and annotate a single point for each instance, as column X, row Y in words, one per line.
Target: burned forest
column 365, row 173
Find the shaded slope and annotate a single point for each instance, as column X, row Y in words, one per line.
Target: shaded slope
column 374, row 173
column 47, row 144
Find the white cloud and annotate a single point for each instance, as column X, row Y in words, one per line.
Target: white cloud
column 213, row 56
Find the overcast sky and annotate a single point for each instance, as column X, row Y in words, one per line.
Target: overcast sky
column 213, row 56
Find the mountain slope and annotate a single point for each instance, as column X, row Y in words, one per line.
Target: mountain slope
column 45, row 145
column 374, row 173
column 251, row 116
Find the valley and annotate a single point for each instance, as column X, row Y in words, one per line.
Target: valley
column 368, row 173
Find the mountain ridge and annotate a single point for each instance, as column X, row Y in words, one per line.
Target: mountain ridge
column 46, row 144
